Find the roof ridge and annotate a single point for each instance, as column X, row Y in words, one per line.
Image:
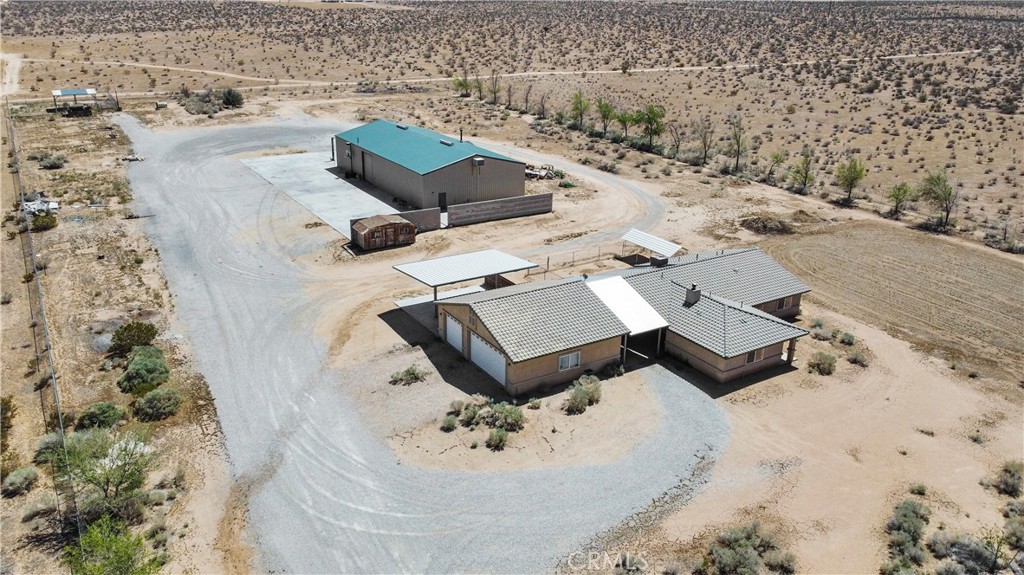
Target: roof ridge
column 553, row 284
column 747, row 309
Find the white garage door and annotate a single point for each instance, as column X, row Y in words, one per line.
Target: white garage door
column 487, row 358
column 453, row 332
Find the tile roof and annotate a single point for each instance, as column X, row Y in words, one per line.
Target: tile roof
column 415, row 148
column 543, row 319
column 747, row 275
column 726, row 327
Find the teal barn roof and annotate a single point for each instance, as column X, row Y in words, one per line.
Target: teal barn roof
column 414, row 148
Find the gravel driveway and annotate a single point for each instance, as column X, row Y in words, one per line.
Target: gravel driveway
column 329, row 496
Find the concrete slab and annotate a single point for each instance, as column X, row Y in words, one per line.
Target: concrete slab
column 308, row 180
column 422, row 309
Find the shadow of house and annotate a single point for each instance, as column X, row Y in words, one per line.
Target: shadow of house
column 711, row 387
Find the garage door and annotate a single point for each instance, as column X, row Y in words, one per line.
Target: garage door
column 453, row 332
column 487, row 357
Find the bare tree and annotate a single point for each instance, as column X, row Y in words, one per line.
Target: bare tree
column 676, row 133
column 510, row 90
column 526, row 98
column 737, row 141
column 704, row 131
column 494, row 87
column 478, row 87
column 542, row 105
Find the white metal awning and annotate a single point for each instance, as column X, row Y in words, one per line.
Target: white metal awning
column 463, row 267
column 651, row 242
column 629, row 306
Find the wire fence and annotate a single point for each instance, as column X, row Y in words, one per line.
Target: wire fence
column 589, row 254
column 43, row 361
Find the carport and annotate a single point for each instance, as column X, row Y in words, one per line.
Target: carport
column 463, row 267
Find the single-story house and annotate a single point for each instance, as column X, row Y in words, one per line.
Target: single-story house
column 427, row 169
column 719, row 311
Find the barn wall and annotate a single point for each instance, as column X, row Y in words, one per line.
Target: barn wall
column 496, row 179
column 388, row 176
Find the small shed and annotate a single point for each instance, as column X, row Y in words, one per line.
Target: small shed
column 383, row 231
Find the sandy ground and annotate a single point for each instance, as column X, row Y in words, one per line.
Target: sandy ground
column 849, row 448
column 627, row 414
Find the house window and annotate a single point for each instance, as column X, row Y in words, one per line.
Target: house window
column 569, row 361
column 756, row 355
column 785, row 303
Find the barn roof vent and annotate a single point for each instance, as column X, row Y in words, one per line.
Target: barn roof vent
column 447, row 143
column 401, row 126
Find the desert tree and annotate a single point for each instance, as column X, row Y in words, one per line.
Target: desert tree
column 802, row 172
column 626, row 118
column 510, row 90
column 676, row 133
column 737, row 141
column 580, row 105
column 230, row 98
column 462, row 86
column 625, row 66
column 526, row 97
column 899, row 196
column 494, row 86
column 606, row 111
column 704, row 132
column 114, row 466
column 848, row 175
column 108, row 547
column 478, row 87
column 542, row 105
column 652, row 118
column 936, row 189
column 774, row 161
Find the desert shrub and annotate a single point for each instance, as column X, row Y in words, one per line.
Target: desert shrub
column 858, row 357
column 1013, row 532
column 534, row 404
column 822, row 363
column 20, row 481
column 43, row 222
column 497, row 439
column 232, row 98
column 53, row 162
column 507, row 417
column 897, row 567
column 905, row 546
column 578, row 400
column 1014, row 509
column 158, row 404
column 940, row 544
column 817, row 322
column 949, row 568
column 973, row 555
column 131, row 335
column 469, row 415
column 6, row 298
column 456, row 407
column 1010, row 478
column 46, row 447
column 847, row 339
column 448, row 424
column 780, row 562
column 905, row 528
column 821, row 334
column 752, row 536
column 909, row 517
column 918, row 489
column 45, row 505
column 566, row 184
column 147, row 369
column 409, row 375
column 735, row 561
column 104, row 414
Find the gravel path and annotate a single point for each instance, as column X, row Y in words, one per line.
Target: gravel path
column 328, row 496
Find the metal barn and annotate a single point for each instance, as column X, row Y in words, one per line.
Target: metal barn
column 426, row 169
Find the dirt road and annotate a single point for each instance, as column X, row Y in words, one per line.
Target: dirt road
column 325, row 494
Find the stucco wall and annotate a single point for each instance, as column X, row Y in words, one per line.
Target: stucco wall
column 785, row 313
column 716, row 367
column 541, row 372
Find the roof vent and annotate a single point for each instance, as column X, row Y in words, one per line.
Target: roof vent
column 447, row 143
column 401, row 126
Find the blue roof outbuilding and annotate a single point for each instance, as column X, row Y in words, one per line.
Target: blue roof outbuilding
column 414, row 148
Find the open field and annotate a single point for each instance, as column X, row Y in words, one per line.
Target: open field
column 334, row 470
